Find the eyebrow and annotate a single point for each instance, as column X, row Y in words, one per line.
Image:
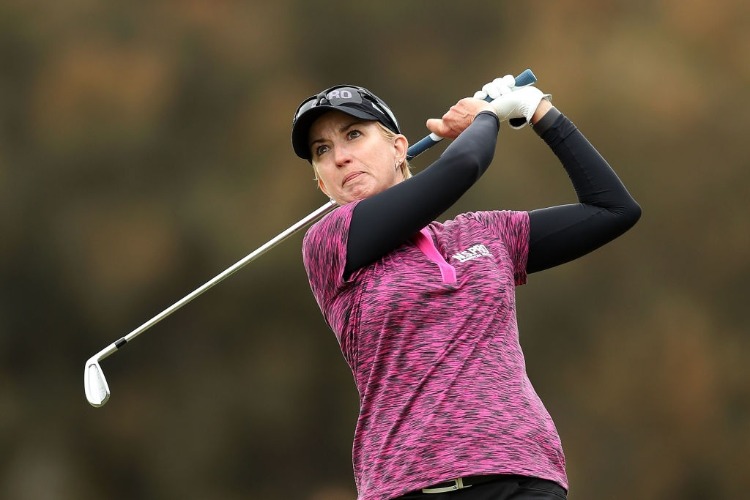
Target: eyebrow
column 342, row 128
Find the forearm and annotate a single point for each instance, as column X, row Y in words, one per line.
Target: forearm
column 605, row 209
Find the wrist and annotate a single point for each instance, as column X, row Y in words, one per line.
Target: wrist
column 542, row 109
column 547, row 122
column 490, row 112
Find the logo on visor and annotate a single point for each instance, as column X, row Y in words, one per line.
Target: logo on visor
column 339, row 94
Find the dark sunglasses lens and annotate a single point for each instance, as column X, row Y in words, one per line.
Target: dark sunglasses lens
column 306, row 106
column 337, row 96
column 345, row 96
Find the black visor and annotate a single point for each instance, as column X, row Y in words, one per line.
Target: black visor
column 352, row 100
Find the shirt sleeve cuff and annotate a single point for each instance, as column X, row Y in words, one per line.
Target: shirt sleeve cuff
column 490, row 113
column 547, row 121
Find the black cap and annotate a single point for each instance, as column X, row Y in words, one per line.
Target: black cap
column 350, row 99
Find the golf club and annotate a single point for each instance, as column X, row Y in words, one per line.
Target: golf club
column 94, row 382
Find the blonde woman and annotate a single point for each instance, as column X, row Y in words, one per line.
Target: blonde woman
column 424, row 311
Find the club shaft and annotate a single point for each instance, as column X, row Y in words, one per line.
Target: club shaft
column 309, row 219
column 106, row 352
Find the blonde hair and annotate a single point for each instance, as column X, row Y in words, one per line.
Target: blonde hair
column 390, row 135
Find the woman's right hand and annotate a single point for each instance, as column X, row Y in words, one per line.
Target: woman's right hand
column 458, row 117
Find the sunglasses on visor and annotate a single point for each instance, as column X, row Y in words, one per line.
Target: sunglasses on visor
column 348, row 96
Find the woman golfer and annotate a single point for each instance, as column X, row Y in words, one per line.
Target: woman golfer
column 425, row 311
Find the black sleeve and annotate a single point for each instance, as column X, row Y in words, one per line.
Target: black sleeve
column 604, row 211
column 384, row 221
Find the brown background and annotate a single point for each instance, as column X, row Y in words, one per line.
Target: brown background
column 144, row 147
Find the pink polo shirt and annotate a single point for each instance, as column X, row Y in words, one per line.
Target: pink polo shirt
column 429, row 332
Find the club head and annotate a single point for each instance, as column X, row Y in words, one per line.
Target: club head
column 94, row 383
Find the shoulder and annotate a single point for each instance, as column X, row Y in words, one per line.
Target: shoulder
column 492, row 218
column 333, row 223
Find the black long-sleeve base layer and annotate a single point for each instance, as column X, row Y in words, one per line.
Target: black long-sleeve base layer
column 558, row 234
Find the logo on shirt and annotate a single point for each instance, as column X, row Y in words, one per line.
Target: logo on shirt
column 472, row 253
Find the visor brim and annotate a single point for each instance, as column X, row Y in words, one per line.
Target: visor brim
column 301, row 128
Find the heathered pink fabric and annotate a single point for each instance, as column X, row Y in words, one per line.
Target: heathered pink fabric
column 440, row 373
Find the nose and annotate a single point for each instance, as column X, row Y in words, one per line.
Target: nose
column 341, row 155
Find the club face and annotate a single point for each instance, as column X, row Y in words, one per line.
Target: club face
column 94, row 383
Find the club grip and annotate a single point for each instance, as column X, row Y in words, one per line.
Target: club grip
column 527, row 77
column 422, row 145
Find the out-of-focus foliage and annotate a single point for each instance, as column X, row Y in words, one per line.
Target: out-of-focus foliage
column 144, row 147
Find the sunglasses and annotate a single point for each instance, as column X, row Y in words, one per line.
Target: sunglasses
column 348, row 96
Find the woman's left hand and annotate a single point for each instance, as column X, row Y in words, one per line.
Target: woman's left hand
column 458, row 117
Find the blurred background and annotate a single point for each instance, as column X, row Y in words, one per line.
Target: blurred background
column 144, row 148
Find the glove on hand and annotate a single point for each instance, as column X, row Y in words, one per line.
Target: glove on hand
column 518, row 106
column 496, row 88
column 513, row 104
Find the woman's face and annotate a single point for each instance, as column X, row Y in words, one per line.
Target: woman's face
column 352, row 157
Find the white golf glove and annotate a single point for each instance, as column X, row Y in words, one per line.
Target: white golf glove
column 519, row 106
column 516, row 105
column 496, row 88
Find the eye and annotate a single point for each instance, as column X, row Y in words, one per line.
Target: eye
column 321, row 149
column 353, row 134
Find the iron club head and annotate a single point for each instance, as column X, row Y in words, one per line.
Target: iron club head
column 94, row 383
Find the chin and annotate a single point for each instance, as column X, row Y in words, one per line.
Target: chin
column 359, row 195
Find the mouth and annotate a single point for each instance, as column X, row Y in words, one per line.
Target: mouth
column 350, row 177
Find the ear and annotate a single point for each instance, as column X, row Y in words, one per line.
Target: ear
column 401, row 145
